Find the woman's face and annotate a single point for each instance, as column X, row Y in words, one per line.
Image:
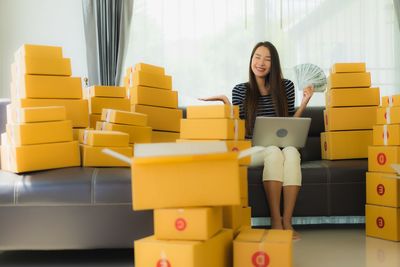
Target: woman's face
column 261, row 62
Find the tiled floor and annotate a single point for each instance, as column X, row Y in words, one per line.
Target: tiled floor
column 325, row 246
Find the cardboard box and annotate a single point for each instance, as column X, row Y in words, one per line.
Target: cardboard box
column 39, row 157
column 106, row 91
column 382, row 222
column 39, row 51
column 124, row 117
column 345, row 144
column 358, row 118
column 76, row 109
column 46, row 86
column 380, row 252
column 78, row 132
column 164, row 137
column 39, row 132
column 104, row 138
column 151, row 80
column 162, row 119
column 141, row 95
column 383, row 189
column 259, row 247
column 348, row 67
column 212, row 112
column 348, row 80
column 187, row 224
column 149, row 68
column 388, row 115
column 97, row 104
column 41, row 66
column 215, row 252
column 93, row 119
column 212, row 129
column 93, row 156
column 244, row 188
column 137, row 134
column 350, row 97
column 35, row 114
column 235, row 217
column 381, row 157
column 391, row 101
column 386, row 135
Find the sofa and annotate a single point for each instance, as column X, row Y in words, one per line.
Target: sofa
column 90, row 208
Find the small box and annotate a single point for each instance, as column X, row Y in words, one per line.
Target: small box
column 40, row 132
column 149, row 68
column 124, row 117
column 259, row 247
column 348, row 80
column 39, row 51
column 391, row 101
column 93, row 156
column 349, row 118
column 345, row 144
column 162, row 119
column 383, row 189
column 381, row 157
column 164, row 137
column 212, row 112
column 97, row 104
column 386, row 135
column 141, row 95
column 104, row 138
column 41, row 66
column 235, row 217
column 214, row 252
column 35, row 114
column 382, row 222
column 187, row 224
column 93, row 119
column 348, row 67
column 151, row 80
column 388, row 115
column 106, row 91
column 225, row 129
column 351, row 97
column 137, row 134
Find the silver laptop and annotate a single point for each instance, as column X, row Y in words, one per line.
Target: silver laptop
column 281, row 131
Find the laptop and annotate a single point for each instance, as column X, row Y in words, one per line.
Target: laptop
column 281, row 131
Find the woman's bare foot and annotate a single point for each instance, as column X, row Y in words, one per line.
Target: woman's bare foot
column 276, row 223
column 287, row 225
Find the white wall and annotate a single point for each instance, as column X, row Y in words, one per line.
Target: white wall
column 50, row 22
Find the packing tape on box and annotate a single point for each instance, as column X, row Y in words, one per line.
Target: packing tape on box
column 128, row 93
column 103, row 126
column 85, row 136
column 231, row 111
column 163, row 260
column 108, row 115
column 130, row 82
column 390, row 99
column 385, row 134
column 236, row 129
column 18, row 115
column 17, row 81
column 388, row 115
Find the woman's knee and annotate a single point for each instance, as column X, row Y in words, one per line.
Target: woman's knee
column 273, row 154
column 291, row 153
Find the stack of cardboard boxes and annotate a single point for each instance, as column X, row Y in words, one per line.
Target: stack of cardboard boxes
column 350, row 112
column 150, row 91
column 383, row 186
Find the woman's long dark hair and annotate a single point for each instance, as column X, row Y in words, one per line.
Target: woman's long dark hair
column 277, row 89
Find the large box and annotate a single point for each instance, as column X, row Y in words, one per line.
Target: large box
column 187, row 224
column 381, row 157
column 345, row 144
column 388, row 115
column 97, row 104
column 137, row 134
column 235, row 217
column 39, row 51
column 46, row 86
column 386, row 135
column 383, row 189
column 104, row 138
column 348, row 67
column 94, row 157
column 348, row 80
column 224, row 129
column 124, row 117
column 259, row 247
column 349, row 118
column 215, row 252
column 162, row 119
column 164, row 137
column 35, row 114
column 41, row 66
column 39, row 132
column 106, row 91
column 212, row 112
column 350, row 97
column 141, row 95
column 148, row 68
column 391, row 101
column 150, row 79
column 382, row 222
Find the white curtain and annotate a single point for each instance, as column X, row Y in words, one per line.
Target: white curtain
column 205, row 44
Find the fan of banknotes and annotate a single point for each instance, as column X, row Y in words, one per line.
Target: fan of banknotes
column 309, row 74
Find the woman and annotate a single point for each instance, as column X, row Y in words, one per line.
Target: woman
column 268, row 94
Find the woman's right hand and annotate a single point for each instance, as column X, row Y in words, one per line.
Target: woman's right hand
column 222, row 98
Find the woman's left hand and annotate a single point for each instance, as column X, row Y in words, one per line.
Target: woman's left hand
column 307, row 94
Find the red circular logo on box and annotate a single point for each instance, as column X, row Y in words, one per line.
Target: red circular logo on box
column 260, row 259
column 380, row 189
column 235, row 149
column 163, row 263
column 381, row 158
column 380, row 222
column 180, row 224
column 385, row 116
column 325, row 146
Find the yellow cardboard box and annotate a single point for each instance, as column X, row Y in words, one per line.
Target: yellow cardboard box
column 47, row 86
column 41, row 66
column 35, row 114
column 386, row 135
column 76, row 109
column 40, row 132
column 381, row 157
column 391, row 101
column 244, row 188
column 164, row 137
column 141, row 95
column 187, row 224
column 349, row 118
column 124, row 117
column 380, row 252
column 212, row 112
column 345, row 144
column 348, row 80
column 212, row 129
column 39, row 157
column 350, row 97
column 97, row 104
column 78, row 132
column 382, row 222
column 106, row 91
column 214, row 252
column 149, row 68
column 151, row 80
column 93, row 119
column 93, row 156
column 259, row 247
column 235, row 217
column 39, row 51
column 104, row 138
column 348, row 67
column 162, row 119
column 382, row 189
column 388, row 115
column 137, row 134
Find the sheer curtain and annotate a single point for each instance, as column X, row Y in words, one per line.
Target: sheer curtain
column 205, row 44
